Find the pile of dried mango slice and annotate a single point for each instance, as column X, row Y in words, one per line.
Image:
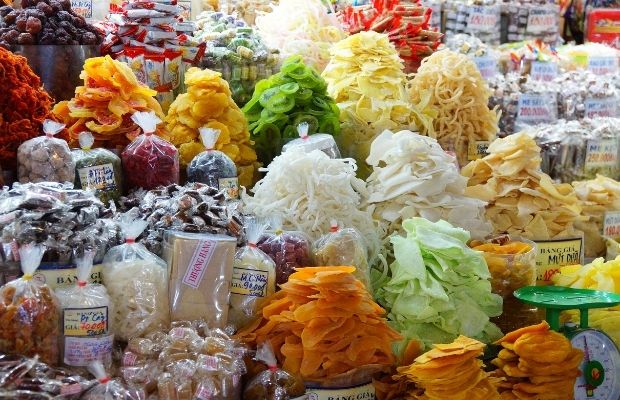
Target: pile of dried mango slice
column 322, row 324
column 281, row 102
column 449, row 371
column 537, row 363
column 522, row 200
column 105, row 104
column 208, row 103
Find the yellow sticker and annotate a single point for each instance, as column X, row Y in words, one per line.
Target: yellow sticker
column 553, row 254
column 85, row 321
column 231, row 185
column 362, row 392
column 57, row 277
column 477, row 149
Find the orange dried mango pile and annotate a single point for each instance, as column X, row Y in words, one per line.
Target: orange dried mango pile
column 323, row 323
column 537, row 363
column 105, row 104
column 448, row 371
column 208, row 103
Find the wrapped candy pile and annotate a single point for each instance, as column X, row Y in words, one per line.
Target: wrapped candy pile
column 485, row 57
column 477, row 18
column 105, row 104
column 365, row 77
column 522, row 200
column 286, row 100
column 24, row 106
column 235, row 50
column 412, row 176
column 301, row 27
column 208, row 104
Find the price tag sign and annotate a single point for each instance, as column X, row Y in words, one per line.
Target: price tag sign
column 611, row 224
column 83, row 8
column 542, row 20
column 544, row 71
column 536, row 109
column 487, row 66
column 557, row 253
column 603, row 65
column 483, row 18
column 607, row 107
column 601, row 154
column 477, row 149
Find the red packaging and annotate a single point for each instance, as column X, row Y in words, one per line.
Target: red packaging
column 603, row 26
column 149, row 161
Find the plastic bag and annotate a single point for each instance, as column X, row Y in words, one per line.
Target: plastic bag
column 98, row 169
column 45, row 158
column 274, row 383
column 318, row 141
column 106, row 387
column 214, row 167
column 288, row 249
column 343, row 247
column 137, row 284
column 85, row 319
column 149, row 161
column 29, row 312
column 254, row 277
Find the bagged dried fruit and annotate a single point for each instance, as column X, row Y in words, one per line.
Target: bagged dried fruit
column 29, row 312
column 137, row 284
column 24, row 105
column 45, row 158
column 254, row 277
column 86, row 308
column 214, row 167
column 149, row 161
column 208, row 104
column 97, row 169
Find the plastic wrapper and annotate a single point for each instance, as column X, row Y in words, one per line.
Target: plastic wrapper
column 200, row 269
column 191, row 361
column 534, row 58
column 288, row 249
column 149, row 161
column 343, row 246
column 253, row 279
column 527, row 20
column 477, row 18
column 214, row 167
column 582, row 94
column 45, row 158
column 85, row 319
column 273, row 383
column 318, row 141
column 107, row 388
column 29, row 312
column 97, row 169
column 506, row 90
column 137, row 283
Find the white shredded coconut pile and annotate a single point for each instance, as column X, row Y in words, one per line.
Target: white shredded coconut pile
column 413, row 177
column 309, row 190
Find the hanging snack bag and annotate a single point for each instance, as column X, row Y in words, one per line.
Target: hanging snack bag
column 45, row 158
column 97, row 169
column 85, row 319
column 273, row 383
column 107, row 388
column 343, row 247
column 214, row 167
column 288, row 249
column 254, row 277
column 29, row 312
column 149, row 161
column 318, row 141
column 137, row 283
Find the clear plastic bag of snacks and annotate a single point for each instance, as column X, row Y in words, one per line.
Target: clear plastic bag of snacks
column 45, row 158
column 318, row 141
column 107, row 388
column 137, row 283
column 97, row 169
column 273, row 383
column 29, row 313
column 214, row 167
column 86, row 335
column 149, row 161
column 254, row 277
column 343, row 247
column 288, row 249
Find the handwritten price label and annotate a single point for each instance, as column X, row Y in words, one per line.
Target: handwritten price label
column 536, row 109
column 601, row 154
column 483, row 18
column 478, row 149
column 603, row 65
column 542, row 20
column 544, row 71
column 601, row 107
column 553, row 254
column 487, row 66
column 83, row 8
column 611, row 224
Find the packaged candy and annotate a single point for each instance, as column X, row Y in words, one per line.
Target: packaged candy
column 273, row 383
column 29, row 312
column 214, row 167
column 137, row 284
column 318, row 141
column 106, row 387
column 45, row 158
column 85, row 319
column 149, row 161
column 254, row 277
column 288, row 249
column 98, row 169
column 343, row 247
